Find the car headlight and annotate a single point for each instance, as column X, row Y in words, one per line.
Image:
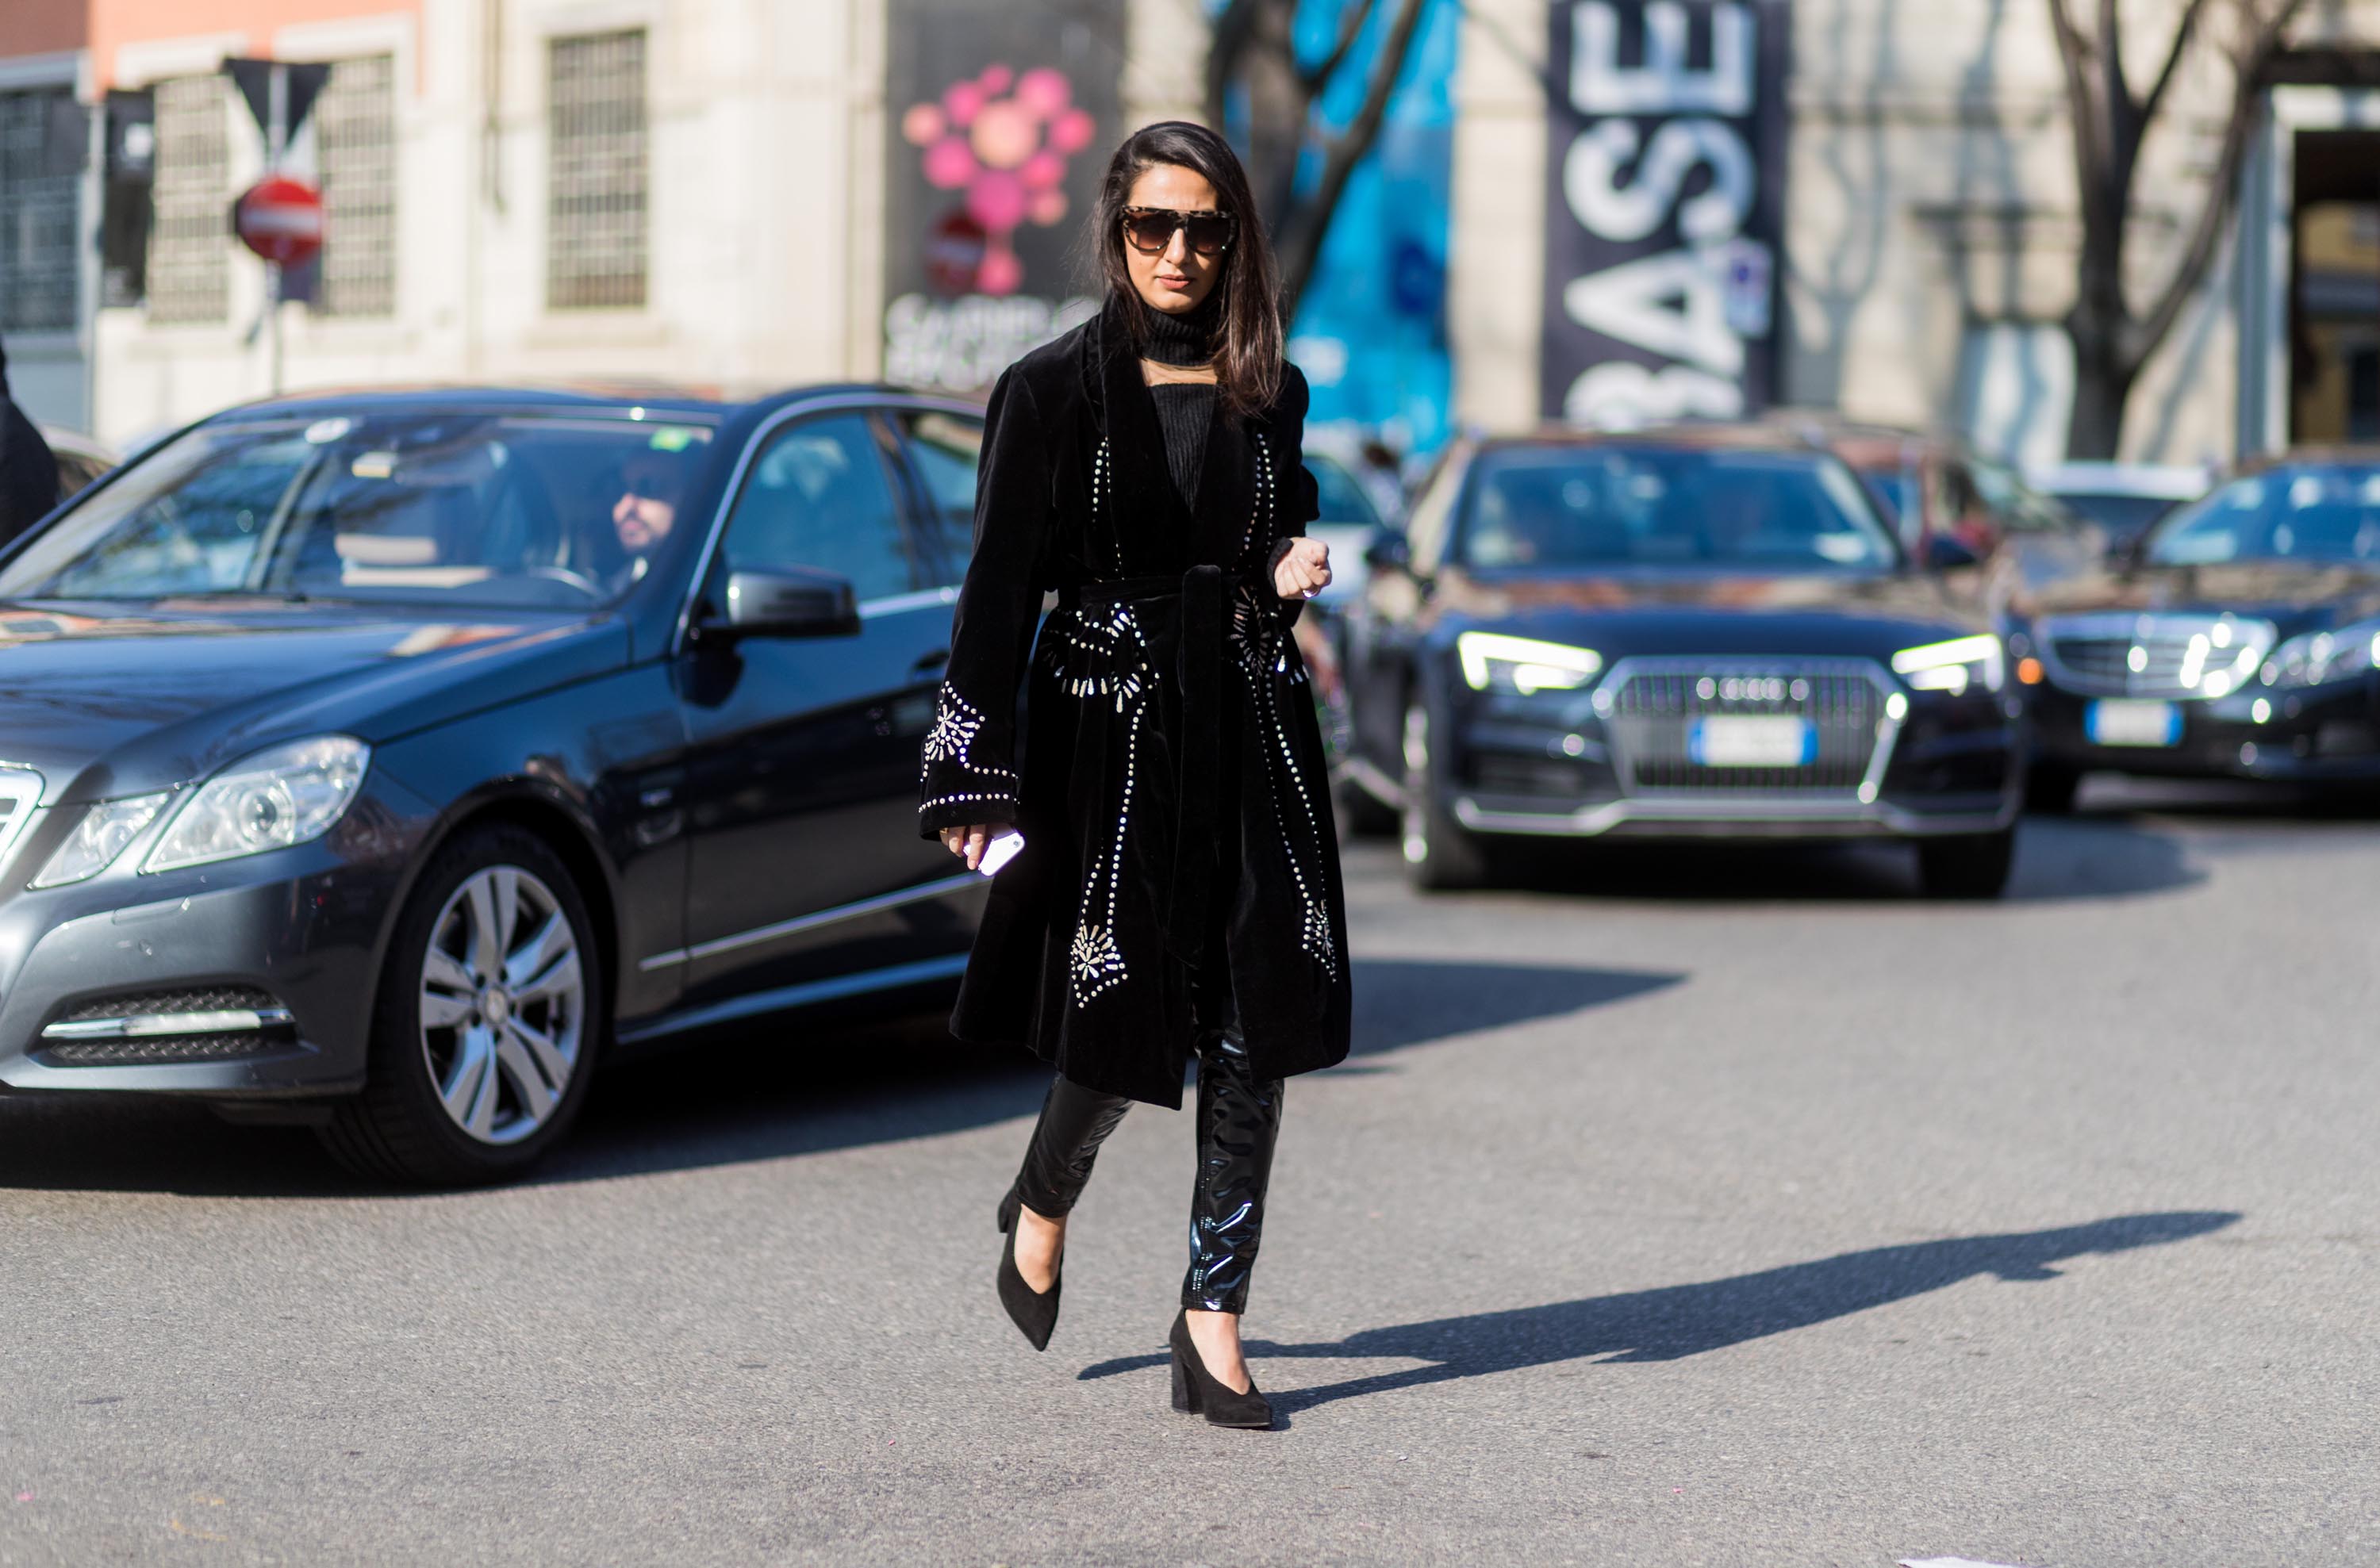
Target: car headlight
column 1494, row 662
column 2325, row 656
column 1953, row 666
column 270, row 800
column 99, row 837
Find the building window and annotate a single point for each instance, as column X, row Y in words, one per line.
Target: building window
column 595, row 176
column 355, row 127
column 42, row 151
column 190, row 241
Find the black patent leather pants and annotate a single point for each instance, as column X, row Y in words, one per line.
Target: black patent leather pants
column 1239, row 1120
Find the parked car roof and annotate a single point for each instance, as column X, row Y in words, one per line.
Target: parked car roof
column 711, row 400
column 1714, row 436
column 2163, row 481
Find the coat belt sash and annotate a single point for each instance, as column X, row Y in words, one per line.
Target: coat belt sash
column 1204, row 594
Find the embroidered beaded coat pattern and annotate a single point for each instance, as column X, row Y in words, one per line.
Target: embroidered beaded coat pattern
column 1171, row 784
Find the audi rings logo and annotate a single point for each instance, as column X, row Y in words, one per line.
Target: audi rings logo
column 1752, row 689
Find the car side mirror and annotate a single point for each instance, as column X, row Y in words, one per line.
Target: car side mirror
column 793, row 601
column 1942, row 552
column 1388, row 551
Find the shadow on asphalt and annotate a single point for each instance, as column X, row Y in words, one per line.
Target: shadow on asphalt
column 776, row 1091
column 2057, row 858
column 1686, row 1320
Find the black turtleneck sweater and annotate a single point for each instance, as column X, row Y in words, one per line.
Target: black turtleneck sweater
column 1185, row 409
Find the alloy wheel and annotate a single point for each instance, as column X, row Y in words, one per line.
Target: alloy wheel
column 503, row 1005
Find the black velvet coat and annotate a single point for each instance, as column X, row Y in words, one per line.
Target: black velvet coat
column 1172, row 795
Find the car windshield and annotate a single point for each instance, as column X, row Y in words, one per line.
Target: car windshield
column 1537, row 508
column 1341, row 498
column 2329, row 513
column 518, row 511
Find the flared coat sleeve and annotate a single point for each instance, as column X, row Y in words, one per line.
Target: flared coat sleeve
column 971, row 753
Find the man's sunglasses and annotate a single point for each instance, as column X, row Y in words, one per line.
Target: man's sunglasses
column 1151, row 229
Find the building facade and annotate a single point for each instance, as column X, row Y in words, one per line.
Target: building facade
column 1697, row 205
column 687, row 190
column 1927, row 246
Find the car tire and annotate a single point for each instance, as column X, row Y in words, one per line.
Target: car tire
column 1969, row 866
column 2049, row 788
column 1442, row 855
column 503, row 1029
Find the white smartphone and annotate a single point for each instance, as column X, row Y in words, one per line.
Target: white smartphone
column 999, row 851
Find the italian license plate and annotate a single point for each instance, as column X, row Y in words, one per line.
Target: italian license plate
column 2127, row 722
column 1753, row 739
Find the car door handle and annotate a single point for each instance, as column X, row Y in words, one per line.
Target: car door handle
column 931, row 662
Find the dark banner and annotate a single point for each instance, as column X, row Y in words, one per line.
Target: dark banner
column 1665, row 209
column 1002, row 118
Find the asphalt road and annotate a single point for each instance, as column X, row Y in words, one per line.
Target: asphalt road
column 1684, row 1208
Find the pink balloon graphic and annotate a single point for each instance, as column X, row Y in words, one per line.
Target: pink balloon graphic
column 1007, row 154
column 948, row 163
column 1071, row 132
column 962, row 98
column 996, row 201
column 1004, row 135
column 923, row 125
column 1002, row 272
column 1044, row 92
column 1042, row 171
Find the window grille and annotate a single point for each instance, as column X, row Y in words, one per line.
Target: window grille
column 39, row 195
column 189, row 240
column 596, row 174
column 355, row 128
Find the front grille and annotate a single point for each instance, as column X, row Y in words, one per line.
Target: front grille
column 196, row 1023
column 2153, row 655
column 1653, row 706
column 197, row 999
column 158, row 1050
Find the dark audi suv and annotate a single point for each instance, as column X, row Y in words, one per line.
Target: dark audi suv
column 2241, row 638
column 381, row 762
column 1705, row 633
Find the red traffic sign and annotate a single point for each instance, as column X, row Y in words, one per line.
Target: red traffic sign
column 280, row 219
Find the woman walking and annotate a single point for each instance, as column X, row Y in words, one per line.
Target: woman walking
column 1177, row 896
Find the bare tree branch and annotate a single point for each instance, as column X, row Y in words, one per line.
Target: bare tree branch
column 1351, row 18
column 2144, row 334
column 1300, row 241
column 2181, row 36
column 1228, row 41
column 2073, row 60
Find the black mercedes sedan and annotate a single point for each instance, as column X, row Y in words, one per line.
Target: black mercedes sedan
column 383, row 762
column 2241, row 638
column 1707, row 633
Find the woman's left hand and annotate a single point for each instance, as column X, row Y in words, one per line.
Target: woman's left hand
column 1301, row 568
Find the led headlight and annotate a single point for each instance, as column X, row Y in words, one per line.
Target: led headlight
column 1953, row 666
column 270, row 800
column 99, row 837
column 1494, row 662
column 2319, row 656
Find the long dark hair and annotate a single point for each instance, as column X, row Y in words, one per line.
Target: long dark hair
column 1248, row 339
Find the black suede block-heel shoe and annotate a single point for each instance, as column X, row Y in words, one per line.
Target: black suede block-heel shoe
column 1197, row 1393
column 1034, row 1312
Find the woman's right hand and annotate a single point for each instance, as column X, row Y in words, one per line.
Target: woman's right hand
column 967, row 842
